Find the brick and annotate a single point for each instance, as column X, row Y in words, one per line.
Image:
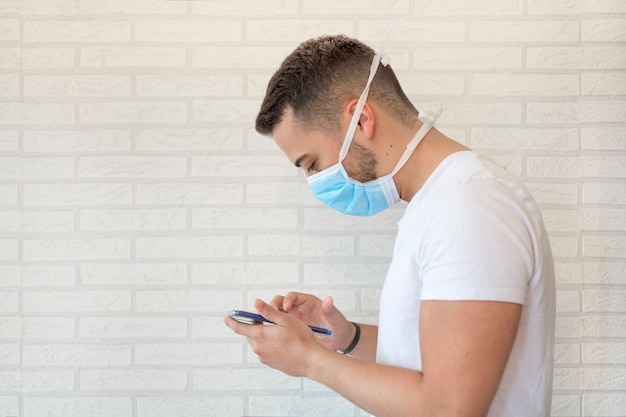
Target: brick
column 567, row 378
column 10, row 30
column 565, row 405
column 10, row 222
column 33, row 58
column 604, row 138
column 176, row 140
column 246, row 218
column 274, row 245
column 9, row 406
column 604, row 219
column 185, row 301
column 461, row 113
column 76, row 249
column 568, row 301
column 553, row 167
column 11, row 327
column 606, row 246
column 91, row 194
column 300, row 406
column 40, row 355
column 554, row 193
column 8, row 249
column 132, row 57
column 603, row 193
column 281, row 193
column 490, row 7
column 79, row 32
column 108, row 7
column 376, row 245
column 189, row 85
column 365, row 7
column 328, row 246
column 10, row 275
column 602, row 112
column 10, row 168
column 190, row 247
column 344, row 274
column 42, row 328
column 526, row 31
column 212, row 327
column 606, row 353
column 76, row 301
column 76, row 85
column 604, row 301
column 133, row 379
column 9, row 85
column 189, row 193
column 554, row 7
column 37, row 114
column 224, row 110
column 9, row 382
column 8, row 194
column 278, row 30
column 50, row 168
column 220, row 379
column 467, row 58
column 9, row 141
column 268, row 57
column 603, row 6
column 246, row 273
column 603, row 30
column 524, row 85
column 433, row 84
column 569, row 327
column 50, row 221
column 525, row 138
column 612, row 404
column 50, row 8
column 606, row 273
column 133, row 274
column 75, row 141
column 198, row 406
column 374, row 32
column 10, row 58
column 131, row 167
column 586, row 58
column 9, row 354
column 566, row 353
column 167, row 31
column 153, row 112
column 131, row 327
column 604, row 379
column 564, row 246
column 77, row 407
column 324, row 218
column 202, row 354
column 561, row 220
column 45, row 381
column 241, row 166
column 594, row 325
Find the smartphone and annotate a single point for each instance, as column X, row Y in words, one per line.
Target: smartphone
column 252, row 318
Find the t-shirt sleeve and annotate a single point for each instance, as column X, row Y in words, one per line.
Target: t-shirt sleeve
column 478, row 245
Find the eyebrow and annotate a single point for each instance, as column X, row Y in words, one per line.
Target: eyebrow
column 298, row 162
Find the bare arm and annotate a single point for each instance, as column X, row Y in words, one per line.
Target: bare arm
column 465, row 347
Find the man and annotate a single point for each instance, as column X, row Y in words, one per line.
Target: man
column 467, row 309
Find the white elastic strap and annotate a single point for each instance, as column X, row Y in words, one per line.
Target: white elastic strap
column 378, row 59
column 428, row 120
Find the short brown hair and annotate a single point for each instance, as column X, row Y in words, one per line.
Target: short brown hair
column 322, row 74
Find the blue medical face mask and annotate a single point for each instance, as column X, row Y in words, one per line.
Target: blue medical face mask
column 334, row 187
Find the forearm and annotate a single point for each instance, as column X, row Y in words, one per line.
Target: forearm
column 378, row 389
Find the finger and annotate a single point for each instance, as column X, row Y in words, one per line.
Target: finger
column 266, row 310
column 327, row 305
column 278, row 302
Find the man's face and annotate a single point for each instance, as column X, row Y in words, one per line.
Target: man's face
column 314, row 151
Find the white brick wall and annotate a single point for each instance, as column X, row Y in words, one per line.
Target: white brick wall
column 137, row 204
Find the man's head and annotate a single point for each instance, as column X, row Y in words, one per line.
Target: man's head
column 322, row 75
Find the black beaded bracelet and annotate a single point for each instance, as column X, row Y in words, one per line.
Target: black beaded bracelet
column 354, row 342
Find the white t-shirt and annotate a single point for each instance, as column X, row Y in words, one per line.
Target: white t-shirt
column 473, row 232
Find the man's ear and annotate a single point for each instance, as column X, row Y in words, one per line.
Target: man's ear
column 366, row 121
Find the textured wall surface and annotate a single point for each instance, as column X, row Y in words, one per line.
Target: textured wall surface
column 138, row 205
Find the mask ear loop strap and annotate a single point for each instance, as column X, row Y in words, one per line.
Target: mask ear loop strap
column 379, row 58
